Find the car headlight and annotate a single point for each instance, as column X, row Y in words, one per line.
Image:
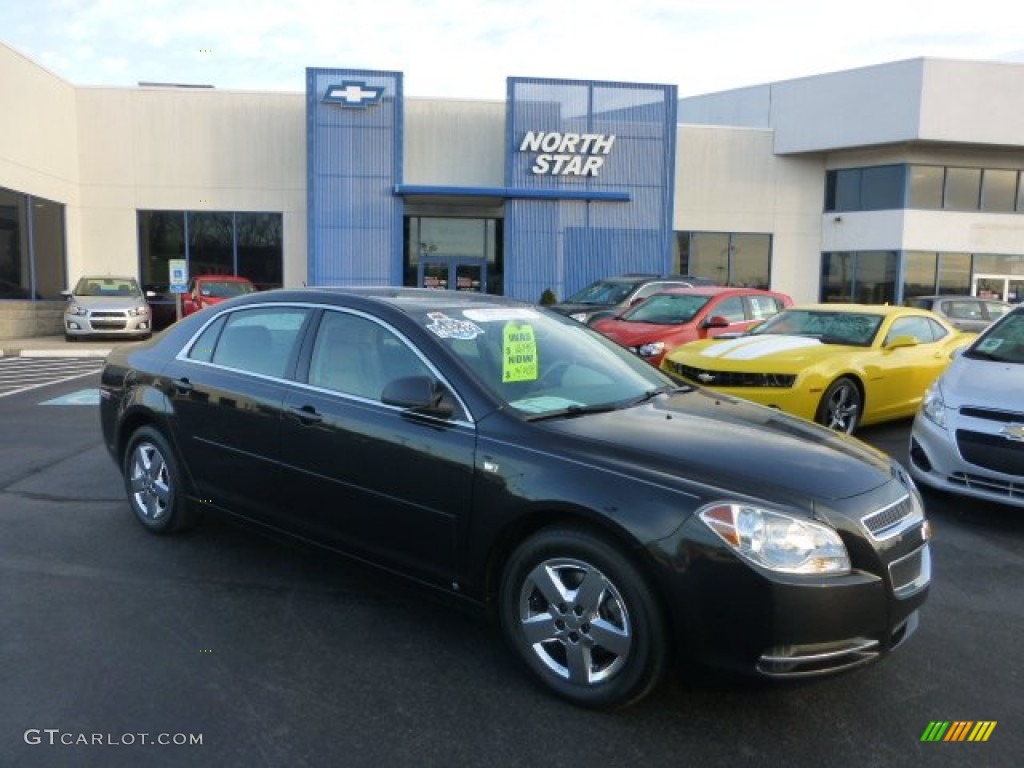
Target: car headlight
column 652, row 349
column 76, row 309
column 579, row 317
column 933, row 406
column 136, row 311
column 777, row 541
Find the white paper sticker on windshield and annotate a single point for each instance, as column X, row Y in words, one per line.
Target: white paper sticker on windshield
column 449, row 328
column 500, row 314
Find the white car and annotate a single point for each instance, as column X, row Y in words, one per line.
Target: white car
column 968, row 436
column 107, row 306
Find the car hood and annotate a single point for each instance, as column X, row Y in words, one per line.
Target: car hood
column 112, row 303
column 786, row 353
column 631, row 333
column 983, row 383
column 734, row 445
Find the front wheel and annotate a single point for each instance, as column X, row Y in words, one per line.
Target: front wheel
column 154, row 483
column 583, row 618
column 841, row 405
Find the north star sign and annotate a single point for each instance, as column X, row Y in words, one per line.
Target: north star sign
column 353, row 93
column 567, row 154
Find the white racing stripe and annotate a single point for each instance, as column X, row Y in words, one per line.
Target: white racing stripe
column 753, row 347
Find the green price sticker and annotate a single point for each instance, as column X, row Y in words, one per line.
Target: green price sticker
column 519, row 353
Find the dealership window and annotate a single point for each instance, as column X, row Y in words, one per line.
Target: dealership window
column 223, row 243
column 739, row 259
column 998, row 190
column 926, row 186
column 962, row 189
column 862, row 277
column 865, row 189
column 32, row 247
column 954, row 273
column 920, row 273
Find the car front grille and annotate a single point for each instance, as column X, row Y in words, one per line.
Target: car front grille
column 1005, row 417
column 1012, row 491
column 732, row 378
column 889, row 521
column 993, row 452
column 119, row 315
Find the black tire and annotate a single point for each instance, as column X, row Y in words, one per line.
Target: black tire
column 841, row 406
column 604, row 643
column 153, row 481
column 69, row 337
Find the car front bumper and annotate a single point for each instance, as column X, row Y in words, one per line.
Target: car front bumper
column 107, row 324
column 937, row 462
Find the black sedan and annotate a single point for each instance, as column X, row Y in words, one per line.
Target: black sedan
column 613, row 519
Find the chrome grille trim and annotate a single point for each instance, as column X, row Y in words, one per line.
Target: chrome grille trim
column 911, row 573
column 893, row 519
column 821, row 659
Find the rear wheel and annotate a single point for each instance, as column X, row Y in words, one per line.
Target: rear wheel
column 583, row 618
column 841, row 406
column 154, row 483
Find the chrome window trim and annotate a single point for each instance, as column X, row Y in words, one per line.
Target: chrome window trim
column 183, row 355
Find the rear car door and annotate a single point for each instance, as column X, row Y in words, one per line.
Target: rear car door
column 367, row 477
column 226, row 391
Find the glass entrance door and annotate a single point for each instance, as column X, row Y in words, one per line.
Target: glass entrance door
column 1003, row 287
column 453, row 274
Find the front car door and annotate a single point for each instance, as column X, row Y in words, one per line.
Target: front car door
column 370, row 478
column 906, row 372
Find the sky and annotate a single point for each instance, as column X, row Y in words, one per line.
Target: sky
column 467, row 48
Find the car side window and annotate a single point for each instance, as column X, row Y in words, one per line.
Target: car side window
column 763, row 307
column 260, row 340
column 202, row 350
column 731, row 309
column 356, row 356
column 647, row 290
column 962, row 310
column 995, row 310
column 918, row 327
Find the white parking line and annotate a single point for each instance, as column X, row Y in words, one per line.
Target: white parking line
column 25, row 375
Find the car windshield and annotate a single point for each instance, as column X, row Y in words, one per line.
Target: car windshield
column 830, row 327
column 666, row 309
column 541, row 364
column 603, row 292
column 1003, row 343
column 107, row 286
column 224, row 289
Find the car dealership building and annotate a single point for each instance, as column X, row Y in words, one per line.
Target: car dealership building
column 868, row 185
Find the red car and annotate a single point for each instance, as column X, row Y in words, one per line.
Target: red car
column 665, row 320
column 207, row 290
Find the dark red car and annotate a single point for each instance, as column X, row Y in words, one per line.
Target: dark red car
column 207, row 290
column 665, row 320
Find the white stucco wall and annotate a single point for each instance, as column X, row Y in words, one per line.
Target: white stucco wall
column 454, row 143
column 729, row 180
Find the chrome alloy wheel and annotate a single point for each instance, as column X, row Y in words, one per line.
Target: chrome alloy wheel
column 842, row 407
column 149, row 482
column 575, row 620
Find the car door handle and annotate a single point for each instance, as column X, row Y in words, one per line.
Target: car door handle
column 183, row 386
column 307, row 414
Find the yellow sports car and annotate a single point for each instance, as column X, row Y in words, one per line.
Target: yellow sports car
column 841, row 365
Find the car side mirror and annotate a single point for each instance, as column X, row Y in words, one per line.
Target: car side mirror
column 420, row 394
column 898, row 342
column 716, row 321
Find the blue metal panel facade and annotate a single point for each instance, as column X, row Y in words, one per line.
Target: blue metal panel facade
column 563, row 244
column 354, row 160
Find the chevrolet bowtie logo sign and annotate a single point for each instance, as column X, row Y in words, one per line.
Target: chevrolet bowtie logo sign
column 1014, row 432
column 352, row 93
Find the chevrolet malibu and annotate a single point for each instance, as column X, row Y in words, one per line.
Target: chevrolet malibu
column 612, row 519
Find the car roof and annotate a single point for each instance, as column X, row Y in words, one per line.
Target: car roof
column 226, row 278
column 869, row 309
column 405, row 299
column 714, row 290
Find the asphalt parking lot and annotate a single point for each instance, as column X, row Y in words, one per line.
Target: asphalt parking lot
column 224, row 648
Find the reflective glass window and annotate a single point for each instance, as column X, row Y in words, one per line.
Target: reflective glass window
column 962, row 189
column 926, row 186
column 998, row 190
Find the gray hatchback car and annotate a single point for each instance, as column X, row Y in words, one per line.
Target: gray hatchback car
column 966, row 313
column 107, row 306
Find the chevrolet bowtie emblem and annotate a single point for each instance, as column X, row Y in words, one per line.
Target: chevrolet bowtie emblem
column 1013, row 432
column 353, row 93
column 707, row 378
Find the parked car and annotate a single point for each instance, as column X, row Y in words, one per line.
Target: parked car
column 965, row 313
column 841, row 365
column 206, row 290
column 968, row 436
column 510, row 457
column 678, row 316
column 612, row 295
column 107, row 306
